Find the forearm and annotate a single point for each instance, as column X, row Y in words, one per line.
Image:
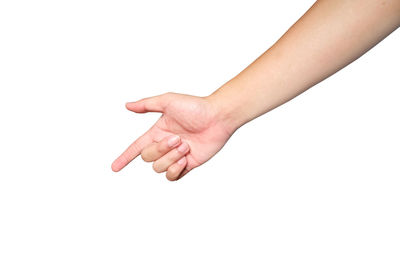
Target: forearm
column 329, row 36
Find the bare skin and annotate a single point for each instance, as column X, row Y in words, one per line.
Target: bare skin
column 328, row 37
column 193, row 119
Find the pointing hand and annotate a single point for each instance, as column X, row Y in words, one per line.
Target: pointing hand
column 189, row 132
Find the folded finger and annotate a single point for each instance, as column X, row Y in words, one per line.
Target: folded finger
column 176, row 169
column 162, row 164
column 156, row 150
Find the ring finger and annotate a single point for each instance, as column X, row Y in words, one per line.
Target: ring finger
column 162, row 164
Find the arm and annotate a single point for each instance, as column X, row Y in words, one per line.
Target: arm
column 329, row 36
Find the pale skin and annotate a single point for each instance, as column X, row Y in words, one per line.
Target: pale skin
column 191, row 130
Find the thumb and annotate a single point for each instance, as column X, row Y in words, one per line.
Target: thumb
column 149, row 104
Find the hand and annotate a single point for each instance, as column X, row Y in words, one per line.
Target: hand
column 196, row 120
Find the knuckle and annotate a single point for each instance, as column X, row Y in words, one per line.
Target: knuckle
column 160, row 148
column 173, row 172
column 157, row 168
column 168, row 96
column 145, row 157
column 171, row 175
column 169, row 93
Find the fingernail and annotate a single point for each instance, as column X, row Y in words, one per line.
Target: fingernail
column 183, row 148
column 173, row 141
column 182, row 161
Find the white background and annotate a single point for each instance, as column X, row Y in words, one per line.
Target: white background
column 313, row 183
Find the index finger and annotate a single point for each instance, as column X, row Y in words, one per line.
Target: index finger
column 131, row 152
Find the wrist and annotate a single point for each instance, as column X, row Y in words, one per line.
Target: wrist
column 227, row 108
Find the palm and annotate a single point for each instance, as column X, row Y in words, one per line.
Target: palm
column 194, row 119
column 196, row 122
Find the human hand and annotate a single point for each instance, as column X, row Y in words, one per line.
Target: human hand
column 197, row 122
